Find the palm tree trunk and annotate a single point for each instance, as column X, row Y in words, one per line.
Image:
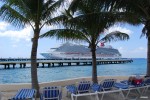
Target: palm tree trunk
column 94, row 67
column 34, row 77
column 148, row 56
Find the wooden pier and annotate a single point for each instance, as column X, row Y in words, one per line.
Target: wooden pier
column 11, row 63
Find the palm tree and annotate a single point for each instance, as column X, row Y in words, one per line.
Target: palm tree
column 34, row 13
column 87, row 22
column 141, row 10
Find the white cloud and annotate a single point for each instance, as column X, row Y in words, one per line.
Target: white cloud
column 14, row 46
column 47, row 28
column 139, row 52
column 143, row 25
column 3, row 26
column 7, row 31
column 121, row 49
column 19, row 37
column 118, row 28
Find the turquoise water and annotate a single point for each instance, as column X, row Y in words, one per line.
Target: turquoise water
column 138, row 66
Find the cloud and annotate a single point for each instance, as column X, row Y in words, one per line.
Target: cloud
column 47, row 28
column 143, row 25
column 6, row 30
column 17, row 37
column 9, row 31
column 139, row 52
column 118, row 28
column 3, row 26
column 122, row 49
column 14, row 46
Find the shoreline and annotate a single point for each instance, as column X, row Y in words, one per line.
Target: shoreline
column 17, row 86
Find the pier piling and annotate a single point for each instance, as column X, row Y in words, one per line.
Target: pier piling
column 42, row 65
column 8, row 66
column 20, row 65
column 49, row 64
column 14, row 65
column 24, row 65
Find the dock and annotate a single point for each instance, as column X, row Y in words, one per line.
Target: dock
column 8, row 63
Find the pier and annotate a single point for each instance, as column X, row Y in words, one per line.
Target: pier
column 8, row 63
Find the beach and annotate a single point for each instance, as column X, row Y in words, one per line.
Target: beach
column 9, row 90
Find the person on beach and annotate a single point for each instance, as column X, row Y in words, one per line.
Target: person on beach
column 134, row 80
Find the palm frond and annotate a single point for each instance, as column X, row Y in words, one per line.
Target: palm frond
column 56, row 20
column 65, row 34
column 74, row 4
column 12, row 16
column 96, row 22
column 50, row 8
column 145, row 31
column 115, row 36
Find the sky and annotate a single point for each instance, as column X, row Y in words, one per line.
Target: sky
column 16, row 43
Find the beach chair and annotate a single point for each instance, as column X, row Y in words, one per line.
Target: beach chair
column 93, row 96
column 105, row 87
column 82, row 87
column 96, row 87
column 51, row 93
column 128, row 86
column 147, row 83
column 25, row 94
column 107, row 84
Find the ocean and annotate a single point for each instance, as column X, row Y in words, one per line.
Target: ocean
column 23, row 75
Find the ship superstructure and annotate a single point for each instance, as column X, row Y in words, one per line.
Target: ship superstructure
column 74, row 51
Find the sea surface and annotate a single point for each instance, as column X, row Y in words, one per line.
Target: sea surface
column 18, row 75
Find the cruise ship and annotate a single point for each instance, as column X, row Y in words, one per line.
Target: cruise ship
column 76, row 51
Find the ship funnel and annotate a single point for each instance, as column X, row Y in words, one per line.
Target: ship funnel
column 102, row 44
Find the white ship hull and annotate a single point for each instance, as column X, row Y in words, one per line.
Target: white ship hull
column 77, row 56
